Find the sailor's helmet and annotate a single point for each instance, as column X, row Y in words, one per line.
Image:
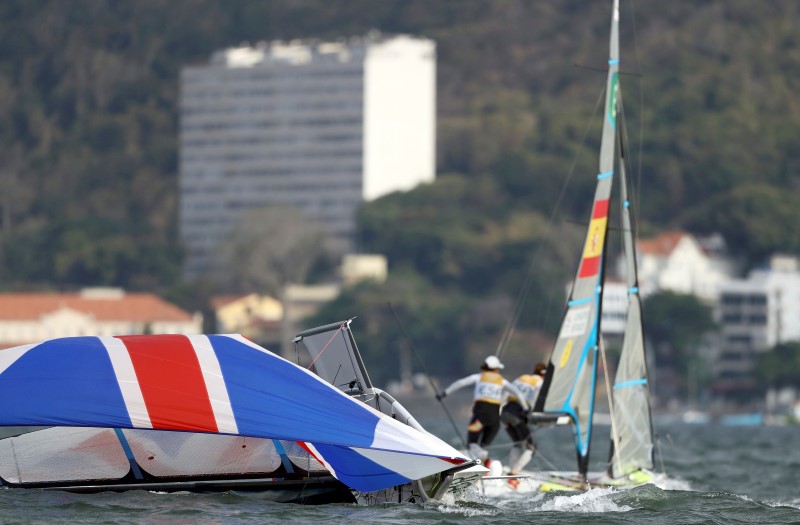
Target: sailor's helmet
column 493, row 363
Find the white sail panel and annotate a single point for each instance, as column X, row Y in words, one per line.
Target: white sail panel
column 632, row 448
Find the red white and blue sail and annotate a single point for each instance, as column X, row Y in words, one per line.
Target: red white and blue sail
column 222, row 384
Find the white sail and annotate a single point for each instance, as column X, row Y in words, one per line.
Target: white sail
column 633, row 447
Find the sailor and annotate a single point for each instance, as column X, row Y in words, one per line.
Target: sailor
column 515, row 418
column 490, row 389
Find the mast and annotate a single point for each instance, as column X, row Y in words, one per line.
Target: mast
column 572, row 372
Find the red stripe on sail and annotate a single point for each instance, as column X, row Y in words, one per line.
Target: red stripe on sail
column 305, row 447
column 600, row 209
column 171, row 382
column 589, row 267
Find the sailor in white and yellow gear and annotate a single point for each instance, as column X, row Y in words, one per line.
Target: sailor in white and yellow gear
column 488, row 395
column 515, row 419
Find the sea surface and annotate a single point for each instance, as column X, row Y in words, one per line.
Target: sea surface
column 715, row 474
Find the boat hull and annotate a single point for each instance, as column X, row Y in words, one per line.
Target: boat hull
column 563, row 481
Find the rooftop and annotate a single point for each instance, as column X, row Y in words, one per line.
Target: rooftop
column 104, row 304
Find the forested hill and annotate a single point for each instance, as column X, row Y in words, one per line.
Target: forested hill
column 89, row 111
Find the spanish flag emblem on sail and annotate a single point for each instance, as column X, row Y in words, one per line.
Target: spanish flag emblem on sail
column 593, row 251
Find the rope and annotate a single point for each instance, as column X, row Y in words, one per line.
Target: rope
column 428, row 375
column 522, row 296
column 660, row 453
column 326, row 345
column 537, row 455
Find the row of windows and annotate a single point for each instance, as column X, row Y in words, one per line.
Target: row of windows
column 259, row 91
column 734, row 357
column 265, row 178
column 212, row 75
column 202, row 230
column 737, row 375
column 192, row 209
column 296, row 156
column 310, row 122
column 281, row 139
column 351, row 171
column 308, row 206
column 309, row 194
column 758, row 320
column 284, row 106
column 735, row 299
column 739, row 339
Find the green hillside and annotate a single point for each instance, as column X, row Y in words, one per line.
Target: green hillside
column 88, row 143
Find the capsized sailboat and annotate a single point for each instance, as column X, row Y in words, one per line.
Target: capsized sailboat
column 204, row 412
column 570, row 384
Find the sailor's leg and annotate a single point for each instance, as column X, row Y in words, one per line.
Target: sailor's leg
column 489, row 433
column 522, row 460
column 474, row 432
column 474, row 429
column 513, row 456
column 476, row 452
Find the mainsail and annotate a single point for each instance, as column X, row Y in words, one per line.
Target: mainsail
column 217, row 384
column 570, row 382
column 632, row 448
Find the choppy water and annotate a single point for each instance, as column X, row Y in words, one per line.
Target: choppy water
column 716, row 475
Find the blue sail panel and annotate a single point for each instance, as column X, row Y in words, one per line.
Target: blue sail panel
column 296, row 402
column 357, row 471
column 71, row 380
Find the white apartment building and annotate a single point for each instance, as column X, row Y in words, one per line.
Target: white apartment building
column 615, row 309
column 754, row 315
column 321, row 126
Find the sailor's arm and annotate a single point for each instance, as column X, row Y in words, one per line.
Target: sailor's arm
column 514, row 391
column 461, row 383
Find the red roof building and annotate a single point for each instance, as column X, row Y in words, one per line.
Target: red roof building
column 32, row 317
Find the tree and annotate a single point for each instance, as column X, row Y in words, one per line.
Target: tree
column 437, row 327
column 271, row 248
column 674, row 325
column 747, row 217
column 779, row 366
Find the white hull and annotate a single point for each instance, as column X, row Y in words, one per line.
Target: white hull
column 562, row 481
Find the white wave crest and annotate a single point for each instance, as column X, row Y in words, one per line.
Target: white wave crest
column 591, row 501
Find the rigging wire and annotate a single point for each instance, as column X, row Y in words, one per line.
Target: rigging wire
column 427, row 374
column 327, row 344
column 537, row 455
column 525, row 289
column 638, row 187
column 522, row 296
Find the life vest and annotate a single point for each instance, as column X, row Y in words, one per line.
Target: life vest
column 528, row 385
column 489, row 388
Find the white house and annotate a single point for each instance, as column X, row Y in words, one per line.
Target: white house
column 32, row 317
column 676, row 261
